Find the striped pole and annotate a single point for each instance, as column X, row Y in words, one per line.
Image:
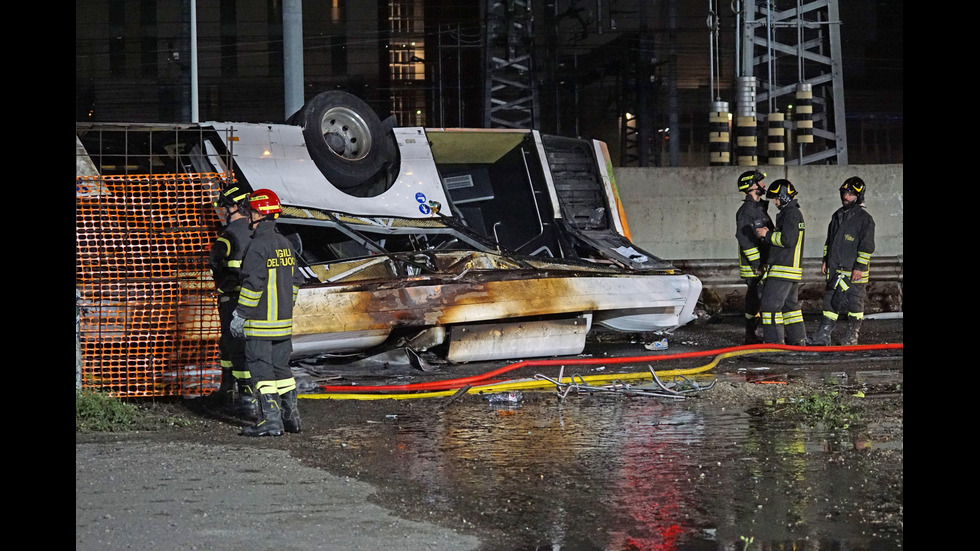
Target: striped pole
column 746, row 138
column 804, row 113
column 718, row 134
column 746, row 142
column 777, row 139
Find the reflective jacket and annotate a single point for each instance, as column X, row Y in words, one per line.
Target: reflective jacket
column 753, row 251
column 786, row 254
column 270, row 282
column 850, row 242
column 226, row 256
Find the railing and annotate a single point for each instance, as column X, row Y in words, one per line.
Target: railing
column 725, row 289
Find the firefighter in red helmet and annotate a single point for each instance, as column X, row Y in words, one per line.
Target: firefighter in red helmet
column 264, row 317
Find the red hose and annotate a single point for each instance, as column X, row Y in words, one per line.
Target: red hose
column 463, row 381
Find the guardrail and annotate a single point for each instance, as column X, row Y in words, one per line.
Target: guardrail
column 725, row 290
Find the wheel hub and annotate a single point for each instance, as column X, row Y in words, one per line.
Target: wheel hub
column 346, row 133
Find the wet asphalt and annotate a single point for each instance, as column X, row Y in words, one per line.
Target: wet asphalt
column 590, row 470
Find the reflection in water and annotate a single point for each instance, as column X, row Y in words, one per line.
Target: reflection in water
column 620, row 473
column 650, row 508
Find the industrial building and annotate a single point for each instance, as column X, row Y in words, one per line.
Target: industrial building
column 663, row 83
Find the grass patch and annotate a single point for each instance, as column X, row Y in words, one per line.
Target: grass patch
column 827, row 407
column 97, row 411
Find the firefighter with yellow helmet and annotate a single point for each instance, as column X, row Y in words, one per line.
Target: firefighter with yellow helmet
column 782, row 316
column 225, row 260
column 846, row 264
column 753, row 251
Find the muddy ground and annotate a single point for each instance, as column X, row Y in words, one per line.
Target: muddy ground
column 740, row 460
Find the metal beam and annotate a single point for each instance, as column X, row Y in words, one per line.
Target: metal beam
column 511, row 92
column 788, row 45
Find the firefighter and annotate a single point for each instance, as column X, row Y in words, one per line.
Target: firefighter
column 225, row 260
column 753, row 252
column 846, row 264
column 782, row 318
column 270, row 283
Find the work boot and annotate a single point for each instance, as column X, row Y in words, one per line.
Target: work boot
column 822, row 336
column 270, row 418
column 851, row 330
column 246, row 404
column 225, row 395
column 290, row 412
column 795, row 334
column 774, row 333
column 220, row 399
column 751, row 324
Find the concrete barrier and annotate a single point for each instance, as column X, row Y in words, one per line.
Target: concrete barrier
column 687, row 215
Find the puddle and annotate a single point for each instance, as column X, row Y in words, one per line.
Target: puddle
column 618, row 473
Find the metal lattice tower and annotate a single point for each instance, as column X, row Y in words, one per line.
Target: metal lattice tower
column 511, row 95
column 793, row 49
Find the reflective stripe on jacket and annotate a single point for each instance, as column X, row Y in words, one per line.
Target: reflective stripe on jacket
column 753, row 251
column 270, row 283
column 225, row 258
column 786, row 254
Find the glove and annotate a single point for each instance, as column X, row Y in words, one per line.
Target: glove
column 237, row 325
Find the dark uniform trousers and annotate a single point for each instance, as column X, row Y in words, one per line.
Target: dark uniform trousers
column 232, row 349
column 782, row 316
column 843, row 294
column 268, row 362
column 753, row 296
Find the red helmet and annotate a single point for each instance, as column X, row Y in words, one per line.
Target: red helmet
column 265, row 202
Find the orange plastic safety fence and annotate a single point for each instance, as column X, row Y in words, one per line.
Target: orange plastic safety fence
column 148, row 319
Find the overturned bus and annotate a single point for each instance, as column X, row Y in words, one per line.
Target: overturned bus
column 470, row 244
